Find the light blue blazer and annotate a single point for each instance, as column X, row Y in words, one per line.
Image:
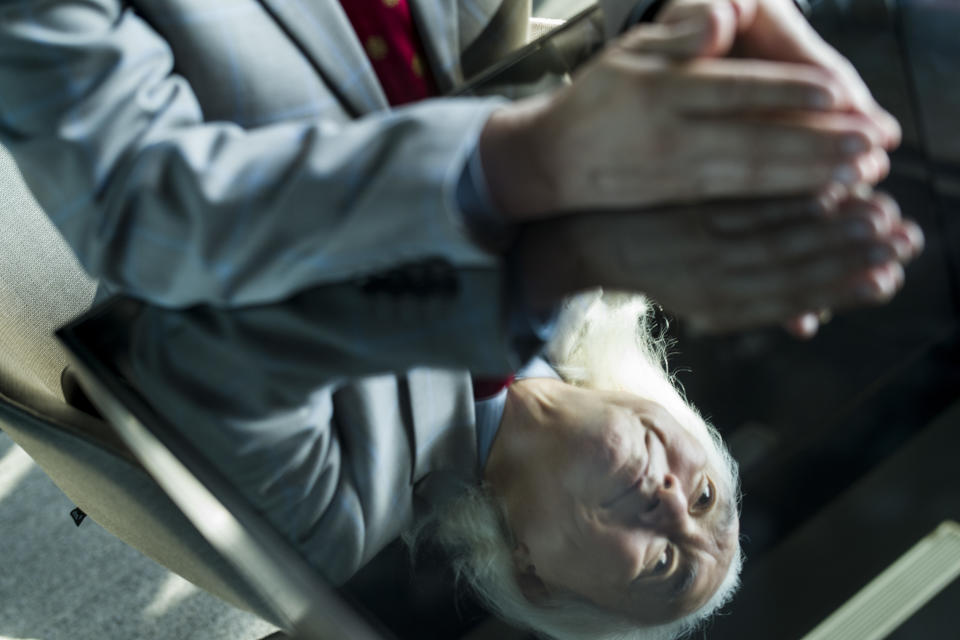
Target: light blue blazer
column 234, row 152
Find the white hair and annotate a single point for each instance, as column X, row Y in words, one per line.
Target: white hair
column 603, row 341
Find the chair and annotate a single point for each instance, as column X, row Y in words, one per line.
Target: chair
column 41, row 287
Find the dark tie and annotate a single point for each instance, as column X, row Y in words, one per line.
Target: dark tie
column 386, row 29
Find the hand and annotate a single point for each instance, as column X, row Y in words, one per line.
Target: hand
column 637, row 130
column 772, row 30
column 760, row 29
column 729, row 265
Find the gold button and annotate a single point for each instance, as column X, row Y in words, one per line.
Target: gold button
column 416, row 65
column 376, row 48
column 391, row 3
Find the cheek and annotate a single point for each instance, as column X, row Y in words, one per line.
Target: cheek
column 604, row 450
column 602, row 562
column 548, row 522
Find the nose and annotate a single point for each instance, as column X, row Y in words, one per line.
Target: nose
column 668, row 509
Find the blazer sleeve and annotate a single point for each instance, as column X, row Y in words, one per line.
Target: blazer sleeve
column 288, row 402
column 162, row 205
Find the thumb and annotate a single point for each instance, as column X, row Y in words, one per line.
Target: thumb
column 687, row 29
column 781, row 33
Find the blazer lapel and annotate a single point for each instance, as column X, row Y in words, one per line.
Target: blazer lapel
column 323, row 32
column 439, row 26
column 444, row 433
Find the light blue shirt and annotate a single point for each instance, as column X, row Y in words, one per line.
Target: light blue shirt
column 489, row 411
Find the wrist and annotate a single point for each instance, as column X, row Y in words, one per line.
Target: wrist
column 512, row 154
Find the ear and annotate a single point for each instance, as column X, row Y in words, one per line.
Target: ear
column 532, row 586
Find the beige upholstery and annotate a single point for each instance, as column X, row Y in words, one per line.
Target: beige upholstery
column 41, row 288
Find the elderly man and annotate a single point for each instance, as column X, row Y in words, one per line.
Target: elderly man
column 241, row 151
column 586, row 500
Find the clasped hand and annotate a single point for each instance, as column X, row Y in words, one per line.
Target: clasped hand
column 716, row 105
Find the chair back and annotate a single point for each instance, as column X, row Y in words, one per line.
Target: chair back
column 42, row 286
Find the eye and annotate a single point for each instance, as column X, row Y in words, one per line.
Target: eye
column 663, row 562
column 708, row 495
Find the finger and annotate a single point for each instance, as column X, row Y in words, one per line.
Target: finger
column 914, row 237
column 793, row 242
column 827, row 280
column 710, row 27
column 780, row 32
column 857, row 219
column 681, row 41
column 873, row 286
column 745, row 216
column 858, row 95
column 710, row 86
column 888, row 124
column 874, row 165
column 801, row 137
column 814, row 50
column 681, row 10
column 724, row 178
column 908, row 241
column 721, row 178
column 863, row 201
column 905, row 236
column 746, row 11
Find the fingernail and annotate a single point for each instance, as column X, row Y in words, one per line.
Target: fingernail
column 888, row 284
column 899, row 277
column 916, row 238
column 882, row 284
column 853, row 144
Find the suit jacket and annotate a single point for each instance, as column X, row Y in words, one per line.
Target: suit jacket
column 339, row 423
column 235, row 152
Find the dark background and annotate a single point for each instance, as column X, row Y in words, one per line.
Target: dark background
column 837, row 477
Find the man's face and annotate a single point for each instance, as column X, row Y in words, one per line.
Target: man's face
column 610, row 498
